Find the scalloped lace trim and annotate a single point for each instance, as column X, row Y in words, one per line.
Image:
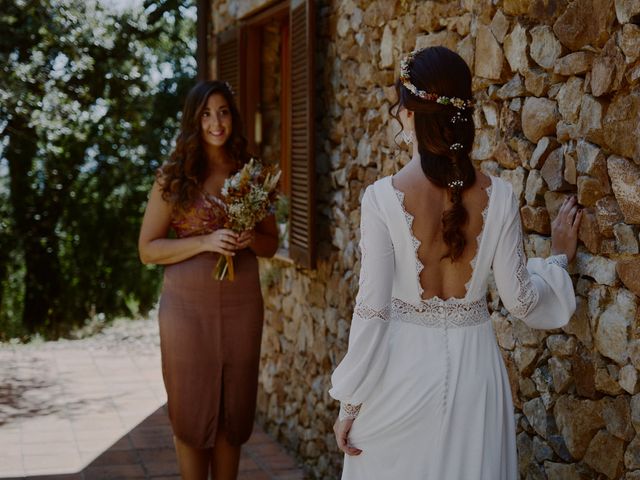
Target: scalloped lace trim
column 474, row 260
column 528, row 296
column 416, row 243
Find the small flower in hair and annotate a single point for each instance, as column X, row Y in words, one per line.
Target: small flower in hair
column 405, row 79
column 456, row 146
column 455, row 184
column 457, row 117
column 228, row 85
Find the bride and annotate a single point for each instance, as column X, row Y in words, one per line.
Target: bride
column 423, row 389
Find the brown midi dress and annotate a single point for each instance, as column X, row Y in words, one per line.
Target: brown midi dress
column 210, row 333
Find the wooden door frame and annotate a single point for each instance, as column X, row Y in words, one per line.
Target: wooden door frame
column 252, row 26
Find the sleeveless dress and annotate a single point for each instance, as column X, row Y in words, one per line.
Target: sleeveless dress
column 210, row 333
column 435, row 395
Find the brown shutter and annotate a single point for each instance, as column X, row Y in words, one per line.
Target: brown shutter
column 202, row 51
column 301, row 147
column 229, row 60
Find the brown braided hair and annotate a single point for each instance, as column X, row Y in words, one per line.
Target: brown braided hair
column 438, row 127
column 181, row 177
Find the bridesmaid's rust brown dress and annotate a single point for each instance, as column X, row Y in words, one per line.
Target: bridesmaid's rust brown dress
column 210, row 334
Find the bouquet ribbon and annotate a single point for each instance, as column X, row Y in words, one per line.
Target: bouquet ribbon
column 224, row 267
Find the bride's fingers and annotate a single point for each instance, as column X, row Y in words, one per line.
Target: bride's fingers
column 353, row 451
column 576, row 221
column 561, row 213
column 348, row 448
column 570, row 202
column 567, row 211
column 342, row 439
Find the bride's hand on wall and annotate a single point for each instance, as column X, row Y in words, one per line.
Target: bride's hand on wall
column 341, row 430
column 564, row 229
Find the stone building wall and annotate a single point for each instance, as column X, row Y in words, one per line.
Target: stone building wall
column 557, row 91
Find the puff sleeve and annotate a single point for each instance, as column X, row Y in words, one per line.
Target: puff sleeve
column 359, row 371
column 538, row 291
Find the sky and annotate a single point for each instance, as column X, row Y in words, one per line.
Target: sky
column 120, row 5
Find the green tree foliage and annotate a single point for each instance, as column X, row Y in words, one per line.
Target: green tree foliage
column 89, row 105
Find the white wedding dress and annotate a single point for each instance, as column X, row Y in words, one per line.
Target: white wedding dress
column 436, row 401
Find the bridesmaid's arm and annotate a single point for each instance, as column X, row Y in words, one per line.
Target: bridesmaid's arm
column 265, row 243
column 154, row 246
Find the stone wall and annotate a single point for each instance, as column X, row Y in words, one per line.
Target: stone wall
column 558, row 104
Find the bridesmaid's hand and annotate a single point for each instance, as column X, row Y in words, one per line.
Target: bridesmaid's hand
column 245, row 239
column 222, row 241
column 341, row 430
column 564, row 229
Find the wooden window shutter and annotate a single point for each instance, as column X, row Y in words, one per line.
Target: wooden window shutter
column 302, row 245
column 229, row 61
column 202, row 50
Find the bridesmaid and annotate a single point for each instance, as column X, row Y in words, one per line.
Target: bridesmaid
column 210, row 330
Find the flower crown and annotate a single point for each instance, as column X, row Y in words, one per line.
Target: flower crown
column 405, row 79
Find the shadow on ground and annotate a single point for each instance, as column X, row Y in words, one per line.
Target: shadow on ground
column 27, row 396
column 146, row 452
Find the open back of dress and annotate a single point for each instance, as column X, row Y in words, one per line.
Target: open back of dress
column 471, row 250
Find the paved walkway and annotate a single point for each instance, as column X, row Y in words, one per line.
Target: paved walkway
column 95, row 409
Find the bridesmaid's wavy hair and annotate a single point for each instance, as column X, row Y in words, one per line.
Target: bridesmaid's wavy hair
column 441, row 71
column 182, row 176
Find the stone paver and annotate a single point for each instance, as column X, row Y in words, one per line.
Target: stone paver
column 95, row 409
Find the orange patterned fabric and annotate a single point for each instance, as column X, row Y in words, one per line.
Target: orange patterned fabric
column 207, row 214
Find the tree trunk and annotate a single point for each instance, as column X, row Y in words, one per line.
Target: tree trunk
column 35, row 229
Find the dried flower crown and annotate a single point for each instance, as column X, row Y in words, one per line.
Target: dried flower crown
column 405, row 78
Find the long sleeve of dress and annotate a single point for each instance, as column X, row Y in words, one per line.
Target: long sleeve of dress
column 539, row 291
column 359, row 371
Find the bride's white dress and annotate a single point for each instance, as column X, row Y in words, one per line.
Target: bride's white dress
column 436, row 401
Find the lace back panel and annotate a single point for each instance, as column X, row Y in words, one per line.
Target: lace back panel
column 441, row 313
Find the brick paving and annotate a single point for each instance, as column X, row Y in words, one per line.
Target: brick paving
column 94, row 409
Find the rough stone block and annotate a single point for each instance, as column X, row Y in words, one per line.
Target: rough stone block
column 489, row 56
column 576, row 63
column 553, row 171
column 625, row 182
column 608, row 214
column 578, row 421
column 589, row 233
column 629, row 271
column 545, row 48
column 535, row 219
column 586, row 22
column 605, row 454
column 621, row 128
column 515, row 49
column 539, row 118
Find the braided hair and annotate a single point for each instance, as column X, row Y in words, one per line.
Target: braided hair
column 444, row 132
